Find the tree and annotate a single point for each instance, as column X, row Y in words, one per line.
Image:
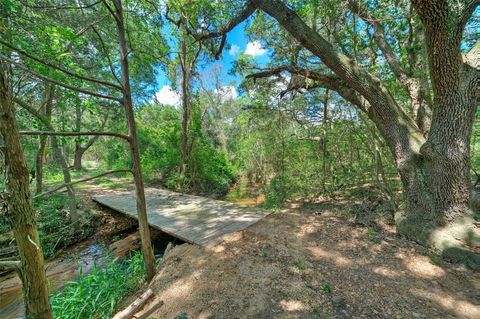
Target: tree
column 80, row 148
column 17, row 202
column 433, row 163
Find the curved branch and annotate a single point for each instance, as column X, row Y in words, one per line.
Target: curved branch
column 242, row 16
column 56, row 67
column 64, row 85
column 126, row 170
column 321, row 80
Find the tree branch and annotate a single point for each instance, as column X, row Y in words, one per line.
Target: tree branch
column 49, row 133
column 327, row 81
column 64, row 85
column 82, row 181
column 34, row 112
column 242, row 16
column 87, row 6
column 381, row 40
column 220, row 47
column 105, row 51
column 56, row 67
column 467, row 12
column 92, row 140
column 10, row 264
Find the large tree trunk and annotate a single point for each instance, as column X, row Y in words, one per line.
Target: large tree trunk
column 434, row 172
column 445, row 156
column 17, row 199
column 147, row 249
column 442, row 217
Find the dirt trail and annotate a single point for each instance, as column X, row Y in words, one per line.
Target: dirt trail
column 298, row 265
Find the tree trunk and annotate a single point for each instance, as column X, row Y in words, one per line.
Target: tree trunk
column 16, row 199
column 325, row 138
column 72, row 201
column 60, row 160
column 444, row 162
column 40, row 156
column 434, row 172
column 186, row 116
column 39, row 162
column 77, row 160
column 132, row 132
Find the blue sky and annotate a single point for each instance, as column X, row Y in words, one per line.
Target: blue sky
column 238, row 43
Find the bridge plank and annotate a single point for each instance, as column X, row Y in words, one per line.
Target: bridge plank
column 194, row 219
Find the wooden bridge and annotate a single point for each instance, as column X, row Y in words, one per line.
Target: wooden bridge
column 194, row 219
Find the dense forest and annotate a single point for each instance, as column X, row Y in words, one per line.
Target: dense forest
column 367, row 110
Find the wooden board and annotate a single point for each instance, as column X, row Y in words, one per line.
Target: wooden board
column 194, row 219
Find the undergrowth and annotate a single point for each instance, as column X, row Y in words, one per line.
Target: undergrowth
column 97, row 295
column 54, row 224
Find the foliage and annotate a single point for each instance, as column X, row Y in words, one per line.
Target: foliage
column 98, row 294
column 55, row 227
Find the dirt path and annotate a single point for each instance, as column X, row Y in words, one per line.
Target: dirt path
column 298, row 265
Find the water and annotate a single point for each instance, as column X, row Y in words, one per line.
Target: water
column 66, row 267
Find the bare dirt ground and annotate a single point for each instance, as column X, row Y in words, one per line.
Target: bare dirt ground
column 299, row 264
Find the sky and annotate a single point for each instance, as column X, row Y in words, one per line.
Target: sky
column 238, row 43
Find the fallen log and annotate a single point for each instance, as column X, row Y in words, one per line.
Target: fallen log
column 8, row 251
column 134, row 306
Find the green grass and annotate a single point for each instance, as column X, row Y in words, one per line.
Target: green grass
column 372, row 234
column 300, row 264
column 97, row 295
column 327, row 288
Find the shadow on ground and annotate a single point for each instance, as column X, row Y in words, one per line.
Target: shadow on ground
column 296, row 264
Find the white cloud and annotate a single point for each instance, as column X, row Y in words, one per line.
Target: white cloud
column 167, row 96
column 227, row 93
column 255, row 49
column 234, row 49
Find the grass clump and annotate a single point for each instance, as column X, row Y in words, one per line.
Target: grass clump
column 327, row 288
column 97, row 295
column 300, row 264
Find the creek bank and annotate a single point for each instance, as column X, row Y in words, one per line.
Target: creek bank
column 114, row 238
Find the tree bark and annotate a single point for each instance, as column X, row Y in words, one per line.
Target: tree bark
column 325, row 138
column 77, row 157
column 132, row 132
column 39, row 162
column 186, row 115
column 17, row 201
